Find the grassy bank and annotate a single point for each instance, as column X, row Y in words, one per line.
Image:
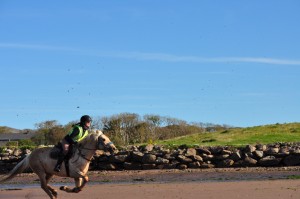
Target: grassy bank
column 241, row 136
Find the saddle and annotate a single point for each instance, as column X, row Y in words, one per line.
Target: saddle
column 57, row 152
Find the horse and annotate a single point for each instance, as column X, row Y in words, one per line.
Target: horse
column 43, row 165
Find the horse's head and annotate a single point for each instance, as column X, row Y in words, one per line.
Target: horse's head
column 104, row 143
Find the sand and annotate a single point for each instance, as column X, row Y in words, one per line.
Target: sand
column 264, row 183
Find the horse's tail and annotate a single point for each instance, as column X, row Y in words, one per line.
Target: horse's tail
column 19, row 168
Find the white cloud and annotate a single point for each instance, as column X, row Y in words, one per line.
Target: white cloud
column 155, row 56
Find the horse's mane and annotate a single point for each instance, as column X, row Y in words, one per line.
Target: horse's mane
column 89, row 137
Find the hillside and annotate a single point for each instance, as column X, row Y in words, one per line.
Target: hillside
column 267, row 134
column 5, row 129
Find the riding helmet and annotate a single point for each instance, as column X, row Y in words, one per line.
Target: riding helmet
column 84, row 119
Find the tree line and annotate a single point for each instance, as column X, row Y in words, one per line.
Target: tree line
column 126, row 128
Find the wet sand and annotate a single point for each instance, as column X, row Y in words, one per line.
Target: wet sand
column 264, row 183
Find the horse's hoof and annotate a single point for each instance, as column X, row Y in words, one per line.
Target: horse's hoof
column 63, row 188
column 76, row 190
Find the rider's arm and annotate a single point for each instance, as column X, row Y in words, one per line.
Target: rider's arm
column 70, row 138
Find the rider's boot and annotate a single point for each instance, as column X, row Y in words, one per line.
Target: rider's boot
column 58, row 164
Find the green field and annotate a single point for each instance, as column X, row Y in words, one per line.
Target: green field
column 267, row 134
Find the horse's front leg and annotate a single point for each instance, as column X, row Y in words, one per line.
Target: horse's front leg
column 79, row 184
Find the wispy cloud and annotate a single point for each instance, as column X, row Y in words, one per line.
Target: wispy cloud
column 36, row 47
column 198, row 59
column 155, row 56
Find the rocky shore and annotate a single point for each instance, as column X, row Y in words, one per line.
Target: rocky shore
column 157, row 157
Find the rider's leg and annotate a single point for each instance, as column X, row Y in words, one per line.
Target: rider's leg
column 65, row 147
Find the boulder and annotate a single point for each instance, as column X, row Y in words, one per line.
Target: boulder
column 169, row 157
column 249, row 162
column 250, row 149
column 261, row 147
column 194, row 165
column 107, row 166
column 190, row 152
column 235, row 156
column 269, row 161
column 137, row 156
column 118, row 158
column 272, row 151
column 184, row 159
column 148, row 166
column 132, row 166
column 149, row 148
column 226, row 152
column 182, row 166
column 292, row 160
column 160, row 160
column 148, row 159
column 207, row 166
column 197, row 158
column 203, row 151
column 226, row 163
column 258, row 154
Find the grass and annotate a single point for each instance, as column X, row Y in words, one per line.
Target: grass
column 294, row 177
column 267, row 134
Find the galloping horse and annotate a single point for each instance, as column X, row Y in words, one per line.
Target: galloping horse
column 41, row 163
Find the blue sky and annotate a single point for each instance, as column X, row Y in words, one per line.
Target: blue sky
column 225, row 62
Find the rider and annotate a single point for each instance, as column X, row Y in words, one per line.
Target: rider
column 78, row 132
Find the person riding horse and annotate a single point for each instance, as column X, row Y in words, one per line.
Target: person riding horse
column 77, row 133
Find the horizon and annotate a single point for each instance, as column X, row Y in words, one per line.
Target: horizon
column 233, row 63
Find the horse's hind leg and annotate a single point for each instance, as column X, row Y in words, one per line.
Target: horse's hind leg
column 53, row 191
column 44, row 185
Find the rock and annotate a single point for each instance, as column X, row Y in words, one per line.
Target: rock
column 208, row 157
column 197, row 158
column 207, row 166
column 295, row 151
column 160, row 160
column 27, row 151
column 182, row 166
column 226, row 163
column 102, row 158
column 168, row 166
column 148, row 158
column 149, row 147
column 203, row 151
column 272, row 151
column 249, row 162
column 184, row 159
column 148, row 166
column 17, row 152
column 132, row 166
column 292, row 160
column 226, row 152
column 194, row 165
column 221, row 157
column 169, row 157
column 250, row 149
column 137, row 156
column 118, row 158
column 258, row 154
column 261, row 147
column 106, row 166
column 269, row 161
column 235, row 156
column 191, row 152
column 216, row 150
